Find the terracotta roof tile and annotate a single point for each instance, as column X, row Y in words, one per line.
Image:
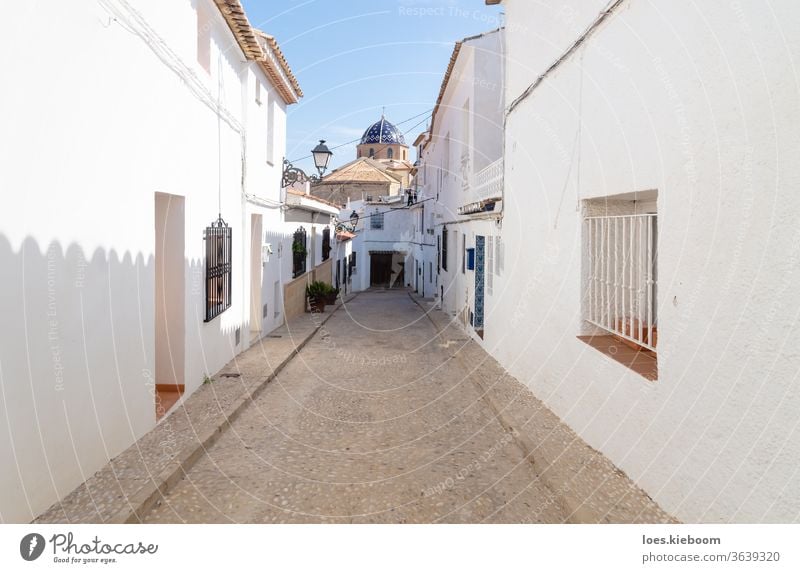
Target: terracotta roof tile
column 271, row 60
column 361, row 169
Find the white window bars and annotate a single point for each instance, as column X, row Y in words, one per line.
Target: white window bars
column 622, row 278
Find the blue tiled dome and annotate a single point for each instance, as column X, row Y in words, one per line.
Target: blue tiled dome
column 382, row 132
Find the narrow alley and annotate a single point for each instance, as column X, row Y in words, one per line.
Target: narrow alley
column 401, row 433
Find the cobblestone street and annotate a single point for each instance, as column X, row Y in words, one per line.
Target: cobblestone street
column 402, row 433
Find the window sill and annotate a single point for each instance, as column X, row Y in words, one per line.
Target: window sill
column 643, row 362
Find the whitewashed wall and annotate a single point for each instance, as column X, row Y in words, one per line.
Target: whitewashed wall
column 462, row 143
column 397, row 235
column 86, row 147
column 698, row 102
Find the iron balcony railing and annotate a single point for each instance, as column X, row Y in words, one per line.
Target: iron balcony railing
column 622, row 276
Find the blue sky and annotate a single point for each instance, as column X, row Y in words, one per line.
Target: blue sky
column 352, row 57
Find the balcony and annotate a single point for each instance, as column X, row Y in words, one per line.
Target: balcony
column 488, row 182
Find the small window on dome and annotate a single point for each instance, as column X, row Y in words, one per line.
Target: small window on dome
column 371, row 152
column 390, row 153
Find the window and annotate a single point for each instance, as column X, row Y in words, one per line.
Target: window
column 376, row 221
column 444, row 248
column 299, row 252
column 218, row 269
column 258, row 91
column 326, row 243
column 203, row 37
column 390, row 153
column 271, row 131
column 489, row 265
column 430, row 271
column 621, row 278
column 371, row 152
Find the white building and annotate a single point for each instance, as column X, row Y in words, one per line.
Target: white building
column 112, row 168
column 461, row 163
column 650, row 192
column 383, row 242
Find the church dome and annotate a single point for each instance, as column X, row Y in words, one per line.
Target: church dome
column 383, row 131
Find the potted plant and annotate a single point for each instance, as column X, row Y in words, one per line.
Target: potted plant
column 330, row 296
column 317, row 292
column 299, row 248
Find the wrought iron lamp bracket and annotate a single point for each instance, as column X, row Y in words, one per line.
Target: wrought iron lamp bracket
column 292, row 175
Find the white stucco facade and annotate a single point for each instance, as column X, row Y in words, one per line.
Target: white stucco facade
column 385, row 225
column 153, row 122
column 461, row 168
column 692, row 110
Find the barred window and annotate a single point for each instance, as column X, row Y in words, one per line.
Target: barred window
column 444, row 248
column 299, row 252
column 218, row 269
column 326, row 243
column 376, row 221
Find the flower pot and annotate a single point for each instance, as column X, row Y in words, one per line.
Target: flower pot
column 330, row 298
column 317, row 304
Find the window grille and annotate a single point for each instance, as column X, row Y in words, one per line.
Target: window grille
column 444, row 248
column 326, row 244
column 622, row 279
column 218, row 268
column 376, row 221
column 299, row 252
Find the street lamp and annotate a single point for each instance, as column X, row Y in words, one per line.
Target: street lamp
column 342, row 227
column 292, row 174
column 321, row 155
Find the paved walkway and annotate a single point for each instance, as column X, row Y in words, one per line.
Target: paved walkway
column 387, row 415
column 130, row 483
